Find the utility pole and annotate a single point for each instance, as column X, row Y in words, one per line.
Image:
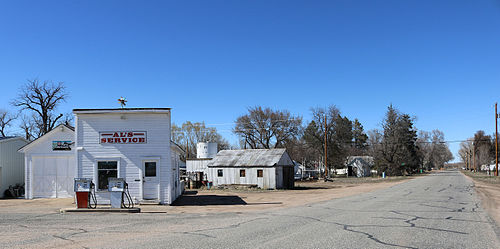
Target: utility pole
column 326, row 155
column 474, row 156
column 496, row 140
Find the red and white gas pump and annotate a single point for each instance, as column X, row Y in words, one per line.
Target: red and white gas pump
column 85, row 193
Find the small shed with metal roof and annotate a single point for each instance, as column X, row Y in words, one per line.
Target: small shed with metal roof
column 263, row 168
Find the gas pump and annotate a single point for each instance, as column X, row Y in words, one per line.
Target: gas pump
column 118, row 189
column 85, row 193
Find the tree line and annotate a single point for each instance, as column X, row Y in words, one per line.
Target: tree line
column 479, row 149
column 398, row 148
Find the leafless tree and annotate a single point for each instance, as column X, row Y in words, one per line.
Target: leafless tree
column 29, row 126
column 189, row 134
column 267, row 128
column 465, row 150
column 41, row 99
column 6, row 119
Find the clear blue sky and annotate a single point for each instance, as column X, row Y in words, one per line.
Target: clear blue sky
column 210, row 60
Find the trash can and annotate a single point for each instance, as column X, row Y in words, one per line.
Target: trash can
column 209, row 184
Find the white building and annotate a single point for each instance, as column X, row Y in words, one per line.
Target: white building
column 264, row 168
column 11, row 162
column 50, row 164
column 359, row 166
column 204, row 154
column 129, row 143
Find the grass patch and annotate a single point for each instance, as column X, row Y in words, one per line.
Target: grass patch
column 482, row 176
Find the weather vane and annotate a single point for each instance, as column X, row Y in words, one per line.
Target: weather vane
column 122, row 101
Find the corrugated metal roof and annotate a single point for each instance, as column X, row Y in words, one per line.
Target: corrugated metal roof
column 247, row 158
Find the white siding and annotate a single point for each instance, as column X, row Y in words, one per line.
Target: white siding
column 232, row 176
column 197, row 165
column 130, row 156
column 11, row 163
column 42, row 148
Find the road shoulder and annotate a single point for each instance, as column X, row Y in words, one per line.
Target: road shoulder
column 489, row 193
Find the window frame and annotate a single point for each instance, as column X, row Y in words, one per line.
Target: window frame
column 96, row 171
column 244, row 173
column 220, row 173
column 261, row 175
column 156, row 167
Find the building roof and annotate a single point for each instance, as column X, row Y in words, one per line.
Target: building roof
column 11, row 138
column 249, row 158
column 30, row 144
column 362, row 159
column 122, row 110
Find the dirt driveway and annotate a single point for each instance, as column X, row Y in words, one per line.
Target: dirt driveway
column 220, row 201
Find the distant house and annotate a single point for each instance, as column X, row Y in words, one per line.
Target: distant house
column 11, row 162
column 265, row 168
column 359, row 166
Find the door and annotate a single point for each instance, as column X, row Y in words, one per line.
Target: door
column 151, row 183
column 53, row 177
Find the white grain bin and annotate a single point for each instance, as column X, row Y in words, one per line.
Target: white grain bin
column 206, row 150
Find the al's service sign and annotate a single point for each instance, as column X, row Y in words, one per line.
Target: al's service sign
column 122, row 137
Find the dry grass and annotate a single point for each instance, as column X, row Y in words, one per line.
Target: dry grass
column 483, row 177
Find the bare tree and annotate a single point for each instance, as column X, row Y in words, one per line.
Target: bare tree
column 465, row 151
column 41, row 99
column 267, row 128
column 189, row 134
column 28, row 125
column 6, row 119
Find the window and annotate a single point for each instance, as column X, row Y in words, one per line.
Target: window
column 105, row 170
column 260, row 173
column 219, row 173
column 242, row 173
column 150, row 169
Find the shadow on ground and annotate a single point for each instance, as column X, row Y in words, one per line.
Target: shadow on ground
column 206, row 200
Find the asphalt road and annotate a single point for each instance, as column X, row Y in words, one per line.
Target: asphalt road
column 436, row 211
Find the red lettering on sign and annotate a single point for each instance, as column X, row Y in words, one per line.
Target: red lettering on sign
column 110, row 140
column 103, row 140
column 134, row 140
column 116, row 134
column 130, row 134
column 124, row 140
column 141, row 140
column 117, row 140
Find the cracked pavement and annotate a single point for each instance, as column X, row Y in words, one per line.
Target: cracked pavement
column 440, row 210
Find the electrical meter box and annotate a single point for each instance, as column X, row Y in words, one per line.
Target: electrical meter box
column 116, row 184
column 82, row 184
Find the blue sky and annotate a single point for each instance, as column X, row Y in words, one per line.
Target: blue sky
column 210, row 60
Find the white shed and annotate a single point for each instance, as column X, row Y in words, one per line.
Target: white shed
column 265, row 168
column 50, row 164
column 11, row 162
column 129, row 143
column 359, row 166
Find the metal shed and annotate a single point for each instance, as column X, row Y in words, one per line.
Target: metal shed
column 265, row 168
column 11, row 162
column 50, row 165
